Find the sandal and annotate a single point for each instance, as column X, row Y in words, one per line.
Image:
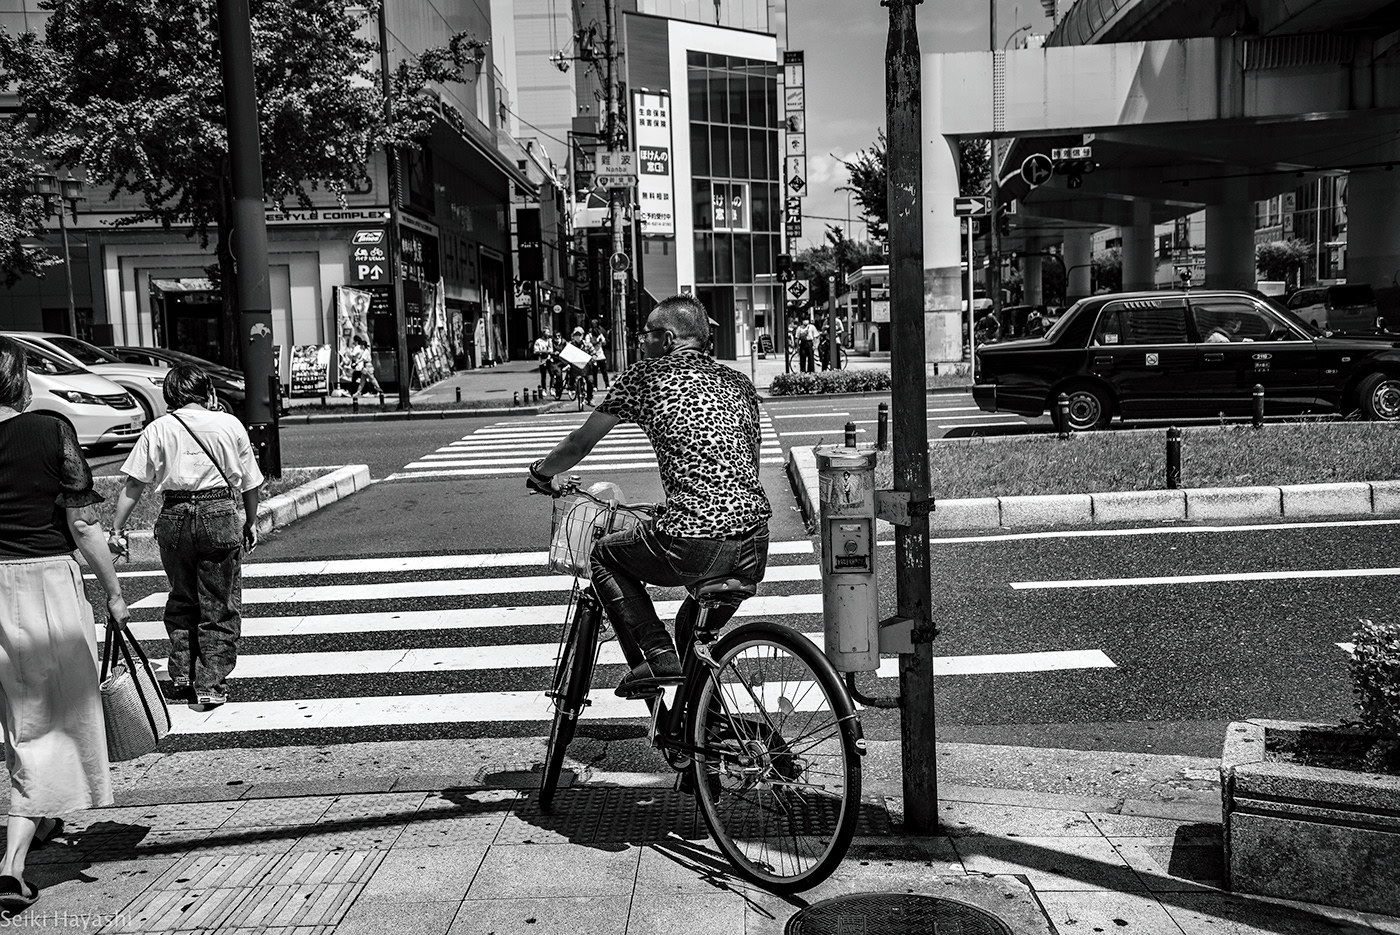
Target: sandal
column 56, row 831
column 14, row 896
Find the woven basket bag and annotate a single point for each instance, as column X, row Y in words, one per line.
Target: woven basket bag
column 132, row 704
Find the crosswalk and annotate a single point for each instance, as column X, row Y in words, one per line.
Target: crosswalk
column 507, row 448
column 408, row 647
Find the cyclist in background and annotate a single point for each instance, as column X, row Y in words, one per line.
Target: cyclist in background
column 702, row 419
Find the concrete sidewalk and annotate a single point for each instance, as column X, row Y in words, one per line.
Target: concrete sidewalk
column 311, row 845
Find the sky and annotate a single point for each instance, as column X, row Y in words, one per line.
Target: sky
column 844, row 42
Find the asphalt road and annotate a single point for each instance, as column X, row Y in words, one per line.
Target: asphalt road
column 1177, row 659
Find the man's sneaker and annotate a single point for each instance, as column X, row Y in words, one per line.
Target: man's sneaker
column 210, row 699
column 651, row 676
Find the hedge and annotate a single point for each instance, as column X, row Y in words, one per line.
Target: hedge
column 864, row 380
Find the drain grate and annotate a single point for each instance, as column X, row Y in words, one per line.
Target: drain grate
column 894, row 914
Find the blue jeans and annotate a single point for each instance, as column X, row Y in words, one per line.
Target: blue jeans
column 623, row 563
column 201, row 547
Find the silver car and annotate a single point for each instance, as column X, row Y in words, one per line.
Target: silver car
column 100, row 412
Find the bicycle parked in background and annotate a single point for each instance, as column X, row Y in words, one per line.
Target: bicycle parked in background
column 761, row 730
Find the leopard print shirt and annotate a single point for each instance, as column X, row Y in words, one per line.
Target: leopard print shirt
column 702, row 419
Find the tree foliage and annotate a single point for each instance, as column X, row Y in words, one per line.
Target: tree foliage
column 869, row 173
column 1107, row 271
column 1279, row 259
column 839, row 256
column 870, row 184
column 131, row 93
column 21, row 213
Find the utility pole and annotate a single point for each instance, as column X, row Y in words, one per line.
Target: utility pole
column 249, row 233
column 994, row 236
column 405, row 365
column 913, row 599
column 616, row 136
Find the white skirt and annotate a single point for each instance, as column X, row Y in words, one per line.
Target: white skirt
column 55, row 737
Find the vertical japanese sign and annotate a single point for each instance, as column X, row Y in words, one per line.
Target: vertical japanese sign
column 653, row 137
column 794, row 141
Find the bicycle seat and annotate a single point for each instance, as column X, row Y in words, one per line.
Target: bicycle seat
column 728, row 589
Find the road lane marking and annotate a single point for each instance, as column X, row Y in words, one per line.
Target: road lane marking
column 1208, row 579
column 1156, row 531
column 476, row 618
column 831, row 431
column 811, row 415
column 491, row 471
column 450, row 587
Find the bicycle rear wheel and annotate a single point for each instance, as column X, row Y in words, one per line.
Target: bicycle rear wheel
column 779, row 785
column 578, row 652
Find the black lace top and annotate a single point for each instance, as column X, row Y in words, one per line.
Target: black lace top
column 42, row 471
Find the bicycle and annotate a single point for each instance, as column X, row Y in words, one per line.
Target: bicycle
column 761, row 729
column 824, row 355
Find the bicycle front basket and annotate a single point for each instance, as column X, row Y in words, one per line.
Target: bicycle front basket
column 578, row 523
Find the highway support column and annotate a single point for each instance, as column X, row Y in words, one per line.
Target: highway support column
column 249, row 233
column 1078, row 264
column 1373, row 237
column 1230, row 258
column 1032, row 287
column 904, row 120
column 1139, row 250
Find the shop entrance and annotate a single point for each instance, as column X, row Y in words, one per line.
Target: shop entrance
column 186, row 315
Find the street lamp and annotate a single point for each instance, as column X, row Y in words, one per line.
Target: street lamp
column 48, row 186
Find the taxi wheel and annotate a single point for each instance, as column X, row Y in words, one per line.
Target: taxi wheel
column 1379, row 395
column 1089, row 409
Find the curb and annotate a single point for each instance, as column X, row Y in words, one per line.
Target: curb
column 276, row 512
column 412, row 415
column 1202, row 811
column 1191, row 504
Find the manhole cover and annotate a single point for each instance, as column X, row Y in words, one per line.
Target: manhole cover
column 895, row 914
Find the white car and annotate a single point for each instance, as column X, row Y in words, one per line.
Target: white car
column 140, row 380
column 100, row 412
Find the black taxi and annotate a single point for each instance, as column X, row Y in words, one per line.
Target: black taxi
column 1173, row 355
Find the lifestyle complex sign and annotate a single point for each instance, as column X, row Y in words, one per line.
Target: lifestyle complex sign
column 653, row 138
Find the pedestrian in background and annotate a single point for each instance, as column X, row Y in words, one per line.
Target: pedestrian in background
column 362, row 368
column 807, row 335
column 55, row 738
column 203, row 462
column 544, row 350
column 597, row 343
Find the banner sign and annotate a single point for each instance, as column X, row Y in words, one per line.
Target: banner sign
column 654, row 187
column 311, row 369
column 795, row 136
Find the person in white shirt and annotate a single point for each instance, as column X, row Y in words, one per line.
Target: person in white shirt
column 202, row 460
column 544, row 350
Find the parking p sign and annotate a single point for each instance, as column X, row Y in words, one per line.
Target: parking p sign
column 369, row 257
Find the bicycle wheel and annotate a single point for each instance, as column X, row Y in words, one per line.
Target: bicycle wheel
column 578, row 651
column 580, row 391
column 779, row 783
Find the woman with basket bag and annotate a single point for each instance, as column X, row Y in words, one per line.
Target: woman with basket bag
column 204, row 462
column 55, row 742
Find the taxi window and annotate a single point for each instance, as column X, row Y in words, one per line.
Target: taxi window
column 1146, row 325
column 1234, row 321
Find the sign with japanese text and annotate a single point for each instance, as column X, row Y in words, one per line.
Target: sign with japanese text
column 794, row 140
column 369, row 257
column 655, row 189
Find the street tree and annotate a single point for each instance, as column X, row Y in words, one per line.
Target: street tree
column 129, row 93
column 1279, row 260
column 22, row 214
column 869, row 174
column 1106, row 270
column 839, row 256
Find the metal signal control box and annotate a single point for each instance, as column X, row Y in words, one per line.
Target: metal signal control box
column 846, row 478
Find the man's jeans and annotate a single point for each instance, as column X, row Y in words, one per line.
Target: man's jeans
column 624, row 562
column 201, row 547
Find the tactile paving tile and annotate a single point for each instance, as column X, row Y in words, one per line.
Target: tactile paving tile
column 308, row 904
column 178, row 910
column 217, row 871
column 338, row 867
column 639, row 816
column 574, row 816
column 265, row 813
column 351, row 807
column 227, row 840
column 379, row 834
column 874, row 818
column 208, row 815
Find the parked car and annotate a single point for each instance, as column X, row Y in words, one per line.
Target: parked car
column 100, row 412
column 142, row 382
column 1173, row 355
column 1346, row 308
column 228, row 383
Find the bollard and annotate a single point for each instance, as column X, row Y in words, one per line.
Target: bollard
column 459, row 394
column 882, row 426
column 1173, row 458
column 525, row 395
column 381, row 400
column 1258, row 406
column 850, row 434
column 1063, row 404
column 515, row 399
column 355, row 404
column 323, row 400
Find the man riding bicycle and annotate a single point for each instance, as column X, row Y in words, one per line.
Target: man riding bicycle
column 702, row 419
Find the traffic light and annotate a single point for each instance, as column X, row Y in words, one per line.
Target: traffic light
column 785, row 267
column 1003, row 225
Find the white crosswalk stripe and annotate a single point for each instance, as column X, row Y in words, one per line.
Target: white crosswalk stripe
column 368, row 655
column 507, row 448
